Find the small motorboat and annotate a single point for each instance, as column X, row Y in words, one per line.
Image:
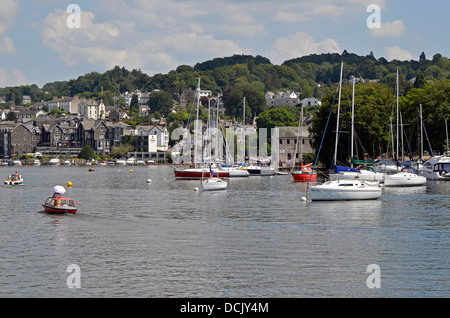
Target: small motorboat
column 13, row 180
column 59, row 205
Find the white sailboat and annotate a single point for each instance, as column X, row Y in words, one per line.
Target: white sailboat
column 402, row 178
column 335, row 190
column 213, row 182
column 346, row 173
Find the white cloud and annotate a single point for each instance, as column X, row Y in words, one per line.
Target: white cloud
column 15, row 78
column 393, row 29
column 117, row 42
column 6, row 45
column 306, row 10
column 8, row 13
column 298, row 45
column 396, row 53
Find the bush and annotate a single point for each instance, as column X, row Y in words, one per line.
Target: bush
column 86, row 153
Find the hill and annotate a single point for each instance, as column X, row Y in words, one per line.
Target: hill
column 311, row 76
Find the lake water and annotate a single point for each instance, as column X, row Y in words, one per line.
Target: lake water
column 131, row 238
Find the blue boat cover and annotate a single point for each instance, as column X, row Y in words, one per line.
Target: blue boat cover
column 338, row 169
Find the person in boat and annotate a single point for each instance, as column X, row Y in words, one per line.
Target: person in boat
column 57, row 195
column 16, row 176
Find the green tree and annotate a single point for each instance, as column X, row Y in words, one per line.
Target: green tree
column 12, row 116
column 276, row 117
column 134, row 105
column 86, row 153
column 161, row 102
column 255, row 101
column 121, row 151
column 373, row 108
column 420, row 81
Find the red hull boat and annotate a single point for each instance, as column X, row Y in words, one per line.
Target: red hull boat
column 197, row 174
column 305, row 174
column 59, row 206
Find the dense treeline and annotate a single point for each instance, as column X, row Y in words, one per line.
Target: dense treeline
column 425, row 81
column 375, row 109
column 221, row 74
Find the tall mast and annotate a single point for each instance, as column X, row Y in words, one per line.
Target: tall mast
column 243, row 131
column 397, row 118
column 301, row 138
column 337, row 121
column 421, row 133
column 353, row 122
column 196, row 126
column 446, row 134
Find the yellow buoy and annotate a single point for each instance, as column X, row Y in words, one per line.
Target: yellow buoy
column 69, row 184
column 131, row 171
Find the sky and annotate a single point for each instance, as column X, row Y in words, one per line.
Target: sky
column 55, row 40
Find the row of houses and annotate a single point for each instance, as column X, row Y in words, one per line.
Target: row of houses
column 289, row 98
column 62, row 134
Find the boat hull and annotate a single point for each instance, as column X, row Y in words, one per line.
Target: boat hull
column 350, row 175
column 197, row 174
column 236, row 172
column 304, row 177
column 336, row 191
column 404, row 180
column 214, row 184
column 261, row 171
column 51, row 206
column 57, row 210
column 437, row 168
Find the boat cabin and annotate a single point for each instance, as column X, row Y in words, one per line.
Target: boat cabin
column 60, row 202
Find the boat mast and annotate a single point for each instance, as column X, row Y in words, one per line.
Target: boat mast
column 421, row 133
column 216, row 147
column 300, row 124
column 446, row 134
column 196, row 126
column 353, row 123
column 301, row 137
column 401, row 132
column 243, row 132
column 397, row 119
column 338, row 110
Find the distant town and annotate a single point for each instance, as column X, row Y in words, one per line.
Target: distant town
column 61, row 127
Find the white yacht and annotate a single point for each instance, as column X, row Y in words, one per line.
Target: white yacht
column 404, row 179
column 255, row 170
column 437, row 168
column 54, row 162
column 236, row 171
column 346, row 190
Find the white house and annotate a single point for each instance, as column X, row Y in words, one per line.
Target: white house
column 67, row 104
column 311, row 102
column 287, row 98
column 153, row 134
column 91, row 109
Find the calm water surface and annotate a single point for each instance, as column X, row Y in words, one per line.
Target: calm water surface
column 131, row 238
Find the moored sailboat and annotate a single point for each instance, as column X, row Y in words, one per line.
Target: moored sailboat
column 335, row 190
column 305, row 174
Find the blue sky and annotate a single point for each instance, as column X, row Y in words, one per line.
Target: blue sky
column 37, row 45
